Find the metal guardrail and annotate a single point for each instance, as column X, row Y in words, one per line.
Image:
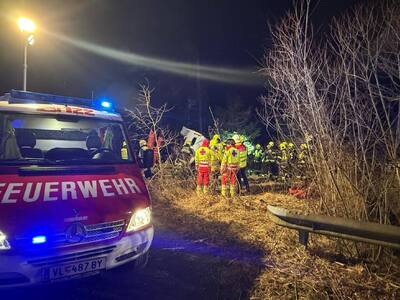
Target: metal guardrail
column 367, row 232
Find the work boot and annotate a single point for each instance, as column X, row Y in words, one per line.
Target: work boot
column 223, row 190
column 198, row 190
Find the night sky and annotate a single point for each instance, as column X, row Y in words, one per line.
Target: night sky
column 206, row 32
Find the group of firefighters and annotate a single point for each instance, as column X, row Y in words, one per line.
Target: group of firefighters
column 280, row 161
column 230, row 160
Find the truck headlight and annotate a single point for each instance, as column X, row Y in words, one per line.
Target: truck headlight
column 140, row 218
column 4, row 245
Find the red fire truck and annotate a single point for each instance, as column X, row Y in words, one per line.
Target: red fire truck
column 73, row 202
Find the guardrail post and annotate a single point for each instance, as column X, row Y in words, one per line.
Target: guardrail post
column 303, row 237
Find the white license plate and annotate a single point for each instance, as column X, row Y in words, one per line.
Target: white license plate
column 73, row 269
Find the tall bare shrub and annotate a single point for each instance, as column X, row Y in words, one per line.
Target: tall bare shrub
column 341, row 93
column 146, row 118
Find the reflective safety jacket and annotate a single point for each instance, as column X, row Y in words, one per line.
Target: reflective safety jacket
column 231, row 159
column 243, row 155
column 258, row 154
column 303, row 155
column 269, row 156
column 141, row 151
column 217, row 148
column 124, row 151
column 284, row 156
column 203, row 158
column 217, row 152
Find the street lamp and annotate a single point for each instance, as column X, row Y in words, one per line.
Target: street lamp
column 27, row 27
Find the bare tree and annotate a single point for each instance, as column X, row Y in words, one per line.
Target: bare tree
column 147, row 118
column 341, row 96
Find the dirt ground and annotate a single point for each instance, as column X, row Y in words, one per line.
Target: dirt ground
column 212, row 248
column 267, row 262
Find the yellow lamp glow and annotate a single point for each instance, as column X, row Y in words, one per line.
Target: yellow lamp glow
column 26, row 25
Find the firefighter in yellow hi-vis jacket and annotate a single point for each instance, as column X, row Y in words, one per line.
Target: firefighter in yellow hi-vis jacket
column 124, row 151
column 203, row 159
column 229, row 168
column 241, row 175
column 216, row 147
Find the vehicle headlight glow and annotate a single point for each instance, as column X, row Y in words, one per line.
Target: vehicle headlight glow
column 140, row 218
column 4, row 245
column 40, row 239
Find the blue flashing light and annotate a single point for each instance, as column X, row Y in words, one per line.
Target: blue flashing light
column 106, row 104
column 40, row 239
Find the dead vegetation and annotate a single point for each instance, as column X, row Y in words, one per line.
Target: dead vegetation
column 339, row 92
column 269, row 263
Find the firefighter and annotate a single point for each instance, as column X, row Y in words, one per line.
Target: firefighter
column 302, row 158
column 283, row 158
column 258, row 155
column 303, row 153
column 155, row 144
column 292, row 159
column 203, row 160
column 184, row 156
column 217, row 149
column 283, row 154
column 142, row 149
column 146, row 158
column 242, row 176
column 124, row 151
column 291, row 152
column 270, row 157
column 229, row 168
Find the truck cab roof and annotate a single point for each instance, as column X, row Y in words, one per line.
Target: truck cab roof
column 40, row 103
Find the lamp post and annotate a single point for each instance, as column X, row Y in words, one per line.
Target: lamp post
column 27, row 27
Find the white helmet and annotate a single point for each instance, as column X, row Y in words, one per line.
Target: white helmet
column 236, row 138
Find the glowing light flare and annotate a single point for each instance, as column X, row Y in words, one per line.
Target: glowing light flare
column 40, row 239
column 106, row 104
column 140, row 218
column 212, row 73
column 4, row 245
column 26, row 25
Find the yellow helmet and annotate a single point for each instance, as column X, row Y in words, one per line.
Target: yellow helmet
column 270, row 144
column 282, row 145
column 142, row 143
column 303, row 146
column 215, row 137
column 258, row 146
column 290, row 145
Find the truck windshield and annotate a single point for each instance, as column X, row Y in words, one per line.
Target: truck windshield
column 35, row 139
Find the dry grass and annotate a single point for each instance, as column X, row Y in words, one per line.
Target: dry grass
column 284, row 269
